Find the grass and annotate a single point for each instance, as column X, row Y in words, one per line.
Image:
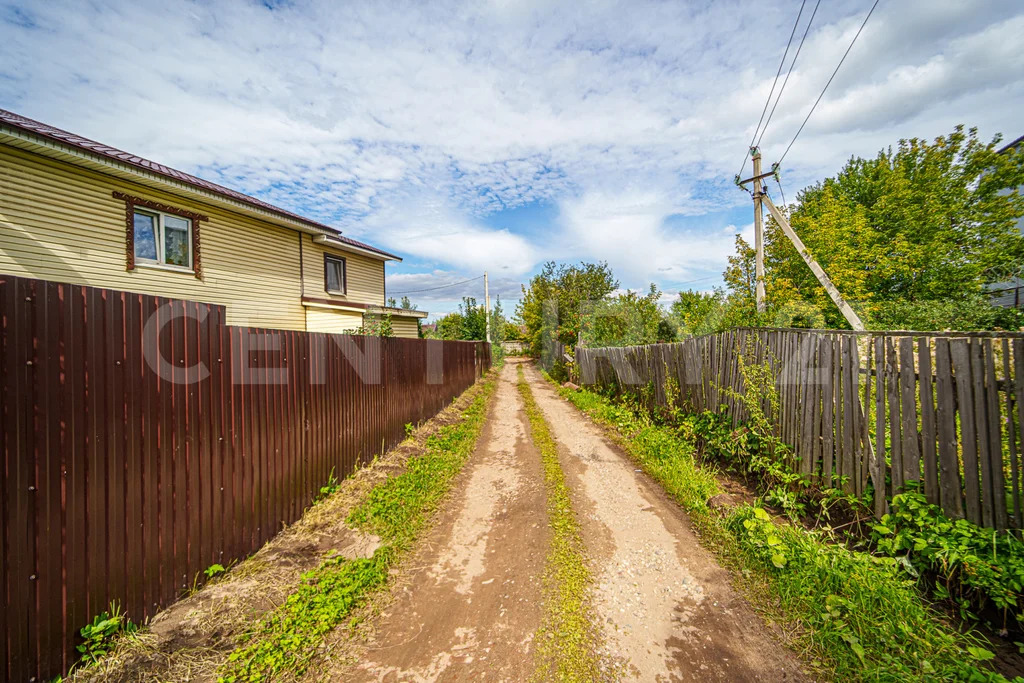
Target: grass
column 286, row 641
column 851, row 615
column 566, row 640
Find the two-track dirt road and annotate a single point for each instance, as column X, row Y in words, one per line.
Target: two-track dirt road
column 472, row 601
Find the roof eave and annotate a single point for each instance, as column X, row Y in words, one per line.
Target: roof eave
column 59, row 151
column 334, row 243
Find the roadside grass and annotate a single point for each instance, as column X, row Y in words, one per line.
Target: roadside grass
column 850, row 615
column 566, row 640
column 286, row 641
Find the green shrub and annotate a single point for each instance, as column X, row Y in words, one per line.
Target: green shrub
column 974, row 567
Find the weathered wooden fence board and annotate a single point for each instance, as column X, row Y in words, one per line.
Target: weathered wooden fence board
column 939, row 411
column 124, row 480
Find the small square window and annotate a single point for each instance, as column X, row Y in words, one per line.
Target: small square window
column 334, row 274
column 163, row 239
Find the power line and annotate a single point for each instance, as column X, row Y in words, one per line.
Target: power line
column 782, row 63
column 431, row 289
column 857, row 35
column 790, row 72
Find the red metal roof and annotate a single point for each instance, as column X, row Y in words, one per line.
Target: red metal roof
column 99, row 149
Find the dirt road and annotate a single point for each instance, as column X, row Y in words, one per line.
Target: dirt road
column 469, row 607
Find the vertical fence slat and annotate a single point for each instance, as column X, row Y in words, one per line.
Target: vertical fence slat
column 928, row 436
column 997, row 482
column 895, row 424
column 981, row 425
column 946, row 390
column 1014, row 428
column 910, row 455
column 960, row 352
column 114, row 409
column 17, row 373
column 880, row 464
column 827, row 410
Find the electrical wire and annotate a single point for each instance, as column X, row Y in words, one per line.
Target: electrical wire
column 778, row 73
column 431, row 289
column 857, row 35
column 790, row 72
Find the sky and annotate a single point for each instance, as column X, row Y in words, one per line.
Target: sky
column 499, row 135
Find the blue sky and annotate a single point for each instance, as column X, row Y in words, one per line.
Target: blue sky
column 498, row 135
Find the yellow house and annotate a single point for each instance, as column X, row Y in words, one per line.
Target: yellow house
column 74, row 210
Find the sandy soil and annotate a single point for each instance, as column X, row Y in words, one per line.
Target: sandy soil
column 468, row 608
column 666, row 608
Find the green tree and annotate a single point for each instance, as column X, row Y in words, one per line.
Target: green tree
column 563, row 288
column 474, row 319
column 512, row 331
column 698, row 313
column 914, row 234
column 449, row 327
column 625, row 320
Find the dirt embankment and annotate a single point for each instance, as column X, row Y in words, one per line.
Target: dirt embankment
column 190, row 639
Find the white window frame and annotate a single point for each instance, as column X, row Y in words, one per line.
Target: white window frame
column 344, row 274
column 161, row 244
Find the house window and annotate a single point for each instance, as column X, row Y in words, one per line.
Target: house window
column 334, row 274
column 162, row 239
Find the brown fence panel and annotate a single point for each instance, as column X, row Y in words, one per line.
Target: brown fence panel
column 891, row 410
column 144, row 440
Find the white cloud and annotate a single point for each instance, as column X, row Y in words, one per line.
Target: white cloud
column 409, row 124
column 628, row 229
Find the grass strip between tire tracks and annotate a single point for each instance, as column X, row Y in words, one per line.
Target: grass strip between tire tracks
column 566, row 640
column 286, row 641
column 852, row 616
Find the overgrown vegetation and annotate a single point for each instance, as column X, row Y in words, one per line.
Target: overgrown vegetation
column 567, row 636
column 286, row 640
column 975, row 568
column 854, row 615
column 375, row 325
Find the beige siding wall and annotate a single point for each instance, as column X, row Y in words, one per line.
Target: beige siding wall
column 364, row 276
column 328, row 320
column 58, row 222
column 404, row 327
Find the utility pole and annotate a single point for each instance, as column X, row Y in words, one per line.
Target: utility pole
column 758, row 232
column 762, row 199
column 487, row 307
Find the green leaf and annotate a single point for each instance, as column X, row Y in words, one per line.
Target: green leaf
column 779, row 560
column 980, row 653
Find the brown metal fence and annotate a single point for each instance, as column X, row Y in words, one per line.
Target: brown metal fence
column 943, row 409
column 145, row 440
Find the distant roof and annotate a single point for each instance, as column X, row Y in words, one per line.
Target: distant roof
column 1012, row 144
column 78, row 142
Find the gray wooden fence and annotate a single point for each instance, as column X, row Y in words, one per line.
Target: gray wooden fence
column 943, row 409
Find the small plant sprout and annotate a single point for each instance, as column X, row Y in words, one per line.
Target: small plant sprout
column 328, row 489
column 98, row 637
column 213, row 570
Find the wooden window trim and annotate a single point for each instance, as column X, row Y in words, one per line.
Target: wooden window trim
column 344, row 274
column 132, row 202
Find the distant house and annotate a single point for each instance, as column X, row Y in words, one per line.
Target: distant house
column 1010, row 294
column 74, row 210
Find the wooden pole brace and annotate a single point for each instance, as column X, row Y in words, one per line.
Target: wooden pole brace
column 819, row 273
